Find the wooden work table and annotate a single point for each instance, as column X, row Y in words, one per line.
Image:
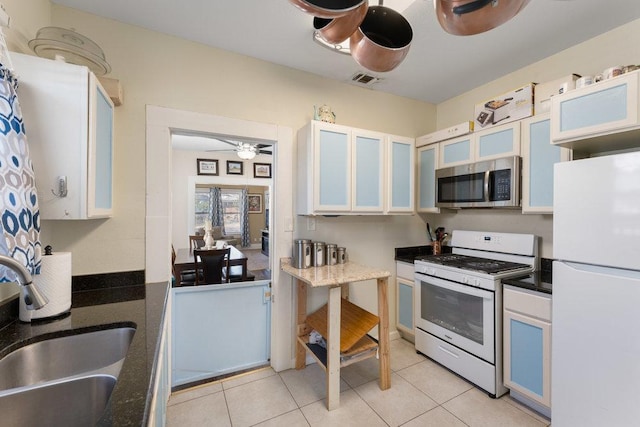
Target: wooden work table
column 336, row 279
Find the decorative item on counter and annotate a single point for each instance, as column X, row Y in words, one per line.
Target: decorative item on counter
column 54, row 281
column 324, row 114
column 209, row 243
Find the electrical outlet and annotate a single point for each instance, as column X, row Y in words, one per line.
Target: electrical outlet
column 311, row 224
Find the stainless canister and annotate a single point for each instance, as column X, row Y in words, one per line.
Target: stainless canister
column 318, row 254
column 332, row 254
column 302, row 253
column 342, row 255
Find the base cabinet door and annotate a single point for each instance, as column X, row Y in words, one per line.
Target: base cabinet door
column 527, row 347
column 404, row 322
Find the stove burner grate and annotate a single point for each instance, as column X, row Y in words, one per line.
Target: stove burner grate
column 466, row 262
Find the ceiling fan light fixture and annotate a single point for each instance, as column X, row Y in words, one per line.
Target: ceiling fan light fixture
column 246, row 151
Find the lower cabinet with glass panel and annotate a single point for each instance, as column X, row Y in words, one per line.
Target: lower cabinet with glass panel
column 527, row 347
column 404, row 300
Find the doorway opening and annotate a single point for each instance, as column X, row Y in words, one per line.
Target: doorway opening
column 161, row 124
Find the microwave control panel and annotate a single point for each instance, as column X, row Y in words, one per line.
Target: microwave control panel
column 500, row 189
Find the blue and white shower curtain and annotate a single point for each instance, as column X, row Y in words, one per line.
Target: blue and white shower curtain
column 19, row 213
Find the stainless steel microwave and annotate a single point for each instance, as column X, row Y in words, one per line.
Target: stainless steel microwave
column 486, row 184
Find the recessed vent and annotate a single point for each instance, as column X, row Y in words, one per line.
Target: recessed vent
column 364, row 79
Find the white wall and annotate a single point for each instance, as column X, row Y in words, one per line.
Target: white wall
column 184, row 179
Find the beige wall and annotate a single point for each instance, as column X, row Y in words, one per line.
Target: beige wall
column 27, row 17
column 617, row 47
column 160, row 70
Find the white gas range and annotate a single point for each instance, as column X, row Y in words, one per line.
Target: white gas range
column 458, row 302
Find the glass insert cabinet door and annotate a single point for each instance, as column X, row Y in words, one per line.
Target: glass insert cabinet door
column 333, row 170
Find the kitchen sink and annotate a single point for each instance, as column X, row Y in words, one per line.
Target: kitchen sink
column 101, row 351
column 73, row 402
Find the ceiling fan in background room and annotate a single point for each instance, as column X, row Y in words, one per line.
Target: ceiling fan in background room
column 245, row 149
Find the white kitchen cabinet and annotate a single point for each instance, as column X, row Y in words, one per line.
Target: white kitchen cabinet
column 404, row 299
column 457, row 151
column 427, row 165
column 68, row 120
column 527, row 345
column 162, row 380
column 401, row 174
column 604, row 116
column 538, row 158
column 493, row 143
column 343, row 170
column 368, row 171
column 497, row 141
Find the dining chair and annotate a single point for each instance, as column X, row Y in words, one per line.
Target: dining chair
column 187, row 277
column 195, row 242
column 211, row 265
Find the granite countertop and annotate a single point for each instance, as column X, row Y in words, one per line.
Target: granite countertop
column 332, row 275
column 141, row 305
column 539, row 281
column 410, row 253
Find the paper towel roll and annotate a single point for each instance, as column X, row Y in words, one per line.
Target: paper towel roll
column 54, row 281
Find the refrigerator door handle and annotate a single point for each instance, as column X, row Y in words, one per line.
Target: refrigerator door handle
column 605, row 271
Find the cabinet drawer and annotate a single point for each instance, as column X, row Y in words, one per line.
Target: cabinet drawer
column 526, row 302
column 404, row 270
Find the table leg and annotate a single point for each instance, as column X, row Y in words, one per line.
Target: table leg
column 333, row 348
column 383, row 334
column 301, row 325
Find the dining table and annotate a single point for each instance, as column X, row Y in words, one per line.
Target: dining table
column 237, row 262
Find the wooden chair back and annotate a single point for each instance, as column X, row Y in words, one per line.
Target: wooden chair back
column 195, row 242
column 211, row 264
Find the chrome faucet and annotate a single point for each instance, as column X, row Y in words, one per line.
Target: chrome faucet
column 33, row 298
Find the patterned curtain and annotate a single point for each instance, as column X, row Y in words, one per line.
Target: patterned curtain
column 19, row 213
column 244, row 218
column 215, row 199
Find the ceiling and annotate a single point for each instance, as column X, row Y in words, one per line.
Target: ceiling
column 438, row 67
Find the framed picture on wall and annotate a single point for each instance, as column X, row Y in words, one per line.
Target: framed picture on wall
column 234, row 168
column 262, row 170
column 255, row 203
column 208, row 167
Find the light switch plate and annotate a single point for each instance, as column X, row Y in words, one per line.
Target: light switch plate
column 311, row 224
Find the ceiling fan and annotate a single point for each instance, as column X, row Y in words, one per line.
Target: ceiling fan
column 245, row 150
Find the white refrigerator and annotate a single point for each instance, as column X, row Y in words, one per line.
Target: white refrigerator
column 595, row 358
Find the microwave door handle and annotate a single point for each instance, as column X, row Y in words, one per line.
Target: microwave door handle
column 487, row 186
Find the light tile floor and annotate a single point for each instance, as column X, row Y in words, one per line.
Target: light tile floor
column 422, row 394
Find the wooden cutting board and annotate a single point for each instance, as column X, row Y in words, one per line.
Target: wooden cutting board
column 355, row 322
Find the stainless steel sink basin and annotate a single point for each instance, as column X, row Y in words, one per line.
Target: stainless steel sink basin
column 76, row 402
column 86, row 353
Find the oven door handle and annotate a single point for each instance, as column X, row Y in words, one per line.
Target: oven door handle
column 456, row 287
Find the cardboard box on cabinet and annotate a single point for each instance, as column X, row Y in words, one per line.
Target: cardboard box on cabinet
column 544, row 91
column 507, row 107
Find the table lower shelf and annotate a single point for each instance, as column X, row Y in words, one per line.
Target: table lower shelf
column 365, row 348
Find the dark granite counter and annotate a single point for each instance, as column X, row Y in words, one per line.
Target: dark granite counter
column 410, row 253
column 139, row 305
column 539, row 281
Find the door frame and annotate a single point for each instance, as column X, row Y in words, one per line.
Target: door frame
column 161, row 122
